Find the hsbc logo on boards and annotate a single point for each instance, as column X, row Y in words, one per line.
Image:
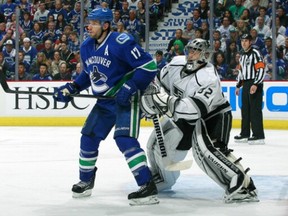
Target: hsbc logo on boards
column 43, row 102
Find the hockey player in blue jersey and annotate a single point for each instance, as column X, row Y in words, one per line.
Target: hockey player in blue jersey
column 114, row 66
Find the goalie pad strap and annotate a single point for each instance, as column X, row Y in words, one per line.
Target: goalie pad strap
column 213, row 162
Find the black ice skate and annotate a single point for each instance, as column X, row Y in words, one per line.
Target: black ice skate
column 84, row 189
column 248, row 194
column 146, row 195
column 240, row 139
column 256, row 141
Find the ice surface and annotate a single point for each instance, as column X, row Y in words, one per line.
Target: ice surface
column 38, row 166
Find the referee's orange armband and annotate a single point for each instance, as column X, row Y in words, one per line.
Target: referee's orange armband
column 259, row 65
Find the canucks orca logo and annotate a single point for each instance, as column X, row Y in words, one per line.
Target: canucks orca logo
column 98, row 80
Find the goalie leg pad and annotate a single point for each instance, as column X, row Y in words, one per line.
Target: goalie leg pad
column 172, row 135
column 214, row 163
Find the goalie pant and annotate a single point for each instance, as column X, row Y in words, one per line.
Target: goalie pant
column 226, row 171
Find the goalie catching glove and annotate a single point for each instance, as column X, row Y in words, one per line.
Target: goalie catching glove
column 63, row 93
column 158, row 104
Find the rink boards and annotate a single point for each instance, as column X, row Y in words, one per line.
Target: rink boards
column 33, row 110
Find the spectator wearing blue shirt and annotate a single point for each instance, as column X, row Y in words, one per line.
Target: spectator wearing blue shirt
column 268, row 46
column 196, row 19
column 77, row 71
column 30, row 52
column 43, row 74
column 24, row 6
column 221, row 66
column 74, row 43
column 68, row 4
column 160, row 60
column 133, row 26
column 36, row 35
column 2, row 30
column 8, row 9
column 95, row 3
column 5, row 67
column 257, row 42
column 20, row 59
column 116, row 19
column 60, row 24
column 26, row 23
column 281, row 67
column 74, row 16
column 9, row 53
column 124, row 12
column 51, row 33
column 58, row 10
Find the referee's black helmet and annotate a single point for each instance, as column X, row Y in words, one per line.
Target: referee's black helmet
column 246, row 36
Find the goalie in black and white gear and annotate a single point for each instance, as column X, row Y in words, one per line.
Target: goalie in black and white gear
column 193, row 99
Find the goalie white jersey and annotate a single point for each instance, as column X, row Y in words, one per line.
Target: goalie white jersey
column 202, row 119
column 198, row 93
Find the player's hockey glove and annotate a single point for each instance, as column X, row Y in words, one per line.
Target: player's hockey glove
column 63, row 93
column 158, row 104
column 123, row 97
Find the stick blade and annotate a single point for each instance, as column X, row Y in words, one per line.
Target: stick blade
column 3, row 82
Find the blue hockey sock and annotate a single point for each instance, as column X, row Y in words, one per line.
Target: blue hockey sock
column 88, row 157
column 136, row 159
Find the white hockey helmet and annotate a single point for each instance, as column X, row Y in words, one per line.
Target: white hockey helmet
column 203, row 48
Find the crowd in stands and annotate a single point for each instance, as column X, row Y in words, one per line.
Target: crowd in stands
column 232, row 18
column 50, row 33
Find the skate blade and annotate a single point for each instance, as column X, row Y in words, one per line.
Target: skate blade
column 151, row 200
column 243, row 200
column 256, row 142
column 244, row 140
column 86, row 193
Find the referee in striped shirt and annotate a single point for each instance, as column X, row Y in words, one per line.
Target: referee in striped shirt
column 250, row 78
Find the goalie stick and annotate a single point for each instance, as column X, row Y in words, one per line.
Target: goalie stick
column 8, row 90
column 168, row 164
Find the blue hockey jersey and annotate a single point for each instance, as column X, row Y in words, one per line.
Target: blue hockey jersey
column 117, row 59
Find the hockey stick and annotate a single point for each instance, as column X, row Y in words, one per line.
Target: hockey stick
column 8, row 90
column 168, row 164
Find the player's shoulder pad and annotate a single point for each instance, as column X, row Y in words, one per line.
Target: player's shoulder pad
column 178, row 60
column 88, row 41
column 207, row 74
